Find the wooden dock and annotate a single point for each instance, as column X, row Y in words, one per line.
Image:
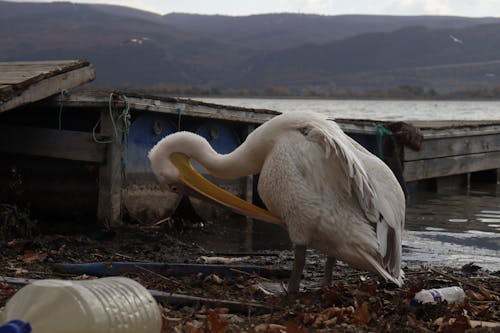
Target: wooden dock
column 25, row 82
column 64, row 142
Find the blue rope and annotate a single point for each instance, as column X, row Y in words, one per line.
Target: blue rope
column 64, row 93
column 124, row 117
column 380, row 131
column 180, row 109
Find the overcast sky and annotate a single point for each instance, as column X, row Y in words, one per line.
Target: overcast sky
column 327, row 7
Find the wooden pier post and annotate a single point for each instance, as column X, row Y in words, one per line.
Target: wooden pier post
column 110, row 173
column 248, row 195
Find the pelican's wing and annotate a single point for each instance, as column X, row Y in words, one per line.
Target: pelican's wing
column 377, row 191
column 329, row 135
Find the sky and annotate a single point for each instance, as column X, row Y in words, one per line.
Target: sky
column 475, row 8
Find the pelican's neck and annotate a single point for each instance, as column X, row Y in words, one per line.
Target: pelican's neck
column 245, row 160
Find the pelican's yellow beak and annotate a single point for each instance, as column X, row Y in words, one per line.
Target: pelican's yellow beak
column 189, row 177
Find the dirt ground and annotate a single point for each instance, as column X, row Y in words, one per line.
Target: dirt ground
column 356, row 302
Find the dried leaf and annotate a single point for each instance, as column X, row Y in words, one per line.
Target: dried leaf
column 269, row 328
column 292, row 327
column 362, row 315
column 474, row 296
column 216, row 325
column 370, row 288
column 308, row 318
column 487, row 294
column 482, row 311
column 215, row 279
column 195, row 327
column 459, row 325
column 30, row 257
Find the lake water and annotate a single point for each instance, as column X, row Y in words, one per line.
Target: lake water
column 451, row 229
column 375, row 109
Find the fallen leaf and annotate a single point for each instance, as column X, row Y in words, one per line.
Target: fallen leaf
column 459, row 325
column 195, row 327
column 269, row 328
column 216, row 325
column 489, row 296
column 362, row 315
column 308, row 318
column 292, row 327
column 474, row 296
column 215, row 279
column 30, row 257
column 370, row 288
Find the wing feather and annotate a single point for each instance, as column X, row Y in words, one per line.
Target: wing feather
column 373, row 184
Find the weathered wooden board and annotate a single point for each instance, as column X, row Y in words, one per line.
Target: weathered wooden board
column 455, row 146
column 110, row 175
column 447, row 166
column 26, row 82
column 178, row 107
column 71, row 145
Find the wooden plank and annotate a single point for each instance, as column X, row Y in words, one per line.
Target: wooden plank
column 50, row 86
column 71, row 145
column 440, row 133
column 191, row 109
column 51, row 63
column 455, row 146
column 110, row 175
column 447, row 166
column 20, row 76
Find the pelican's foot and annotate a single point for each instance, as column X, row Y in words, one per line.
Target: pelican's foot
column 327, row 278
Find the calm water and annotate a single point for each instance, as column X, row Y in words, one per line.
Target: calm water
column 451, row 229
column 376, row 109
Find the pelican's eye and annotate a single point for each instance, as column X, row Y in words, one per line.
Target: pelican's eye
column 174, row 188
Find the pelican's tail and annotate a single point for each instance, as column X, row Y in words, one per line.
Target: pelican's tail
column 387, row 260
column 376, row 267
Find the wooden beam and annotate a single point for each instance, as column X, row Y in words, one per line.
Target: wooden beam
column 50, row 86
column 447, row 166
column 71, row 145
column 455, row 146
column 190, row 108
column 110, row 174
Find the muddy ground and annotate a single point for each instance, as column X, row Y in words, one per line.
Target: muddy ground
column 356, row 302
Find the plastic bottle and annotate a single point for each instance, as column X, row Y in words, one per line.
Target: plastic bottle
column 114, row 304
column 448, row 294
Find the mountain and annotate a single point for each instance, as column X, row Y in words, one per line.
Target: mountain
column 126, row 46
column 405, row 56
column 138, row 48
column 281, row 31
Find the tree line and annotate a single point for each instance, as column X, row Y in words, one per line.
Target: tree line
column 395, row 92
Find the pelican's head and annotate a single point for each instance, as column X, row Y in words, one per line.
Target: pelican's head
column 170, row 163
column 165, row 171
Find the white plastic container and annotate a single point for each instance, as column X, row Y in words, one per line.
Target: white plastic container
column 114, row 304
column 448, row 294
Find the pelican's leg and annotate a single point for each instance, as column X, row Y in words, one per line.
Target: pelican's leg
column 327, row 279
column 298, row 267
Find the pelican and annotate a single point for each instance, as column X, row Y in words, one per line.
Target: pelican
column 324, row 188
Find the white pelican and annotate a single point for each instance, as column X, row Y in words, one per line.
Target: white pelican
column 329, row 192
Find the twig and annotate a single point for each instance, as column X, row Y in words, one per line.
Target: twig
column 178, row 299
column 158, row 275
column 417, row 273
column 123, row 256
column 235, row 306
column 245, row 254
column 249, row 274
column 161, row 221
column 463, row 282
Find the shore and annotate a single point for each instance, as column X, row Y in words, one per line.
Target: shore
column 356, row 302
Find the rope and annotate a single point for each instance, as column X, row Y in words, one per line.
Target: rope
column 124, row 117
column 380, row 131
column 64, row 93
column 180, row 109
